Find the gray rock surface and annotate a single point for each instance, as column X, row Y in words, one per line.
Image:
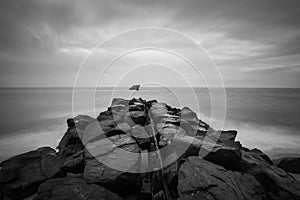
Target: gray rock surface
column 73, row 188
column 200, row 179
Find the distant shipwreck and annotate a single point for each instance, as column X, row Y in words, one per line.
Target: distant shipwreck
column 135, row 87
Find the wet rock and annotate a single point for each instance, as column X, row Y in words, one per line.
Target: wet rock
column 289, row 164
column 72, row 188
column 200, row 179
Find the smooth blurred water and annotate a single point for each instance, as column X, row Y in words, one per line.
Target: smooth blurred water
column 34, row 117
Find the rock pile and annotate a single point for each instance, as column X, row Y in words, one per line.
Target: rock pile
column 101, row 158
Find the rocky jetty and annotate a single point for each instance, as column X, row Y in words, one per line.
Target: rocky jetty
column 103, row 158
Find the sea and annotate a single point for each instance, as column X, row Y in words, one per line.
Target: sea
column 265, row 118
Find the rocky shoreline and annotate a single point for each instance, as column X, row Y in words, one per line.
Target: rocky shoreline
column 207, row 164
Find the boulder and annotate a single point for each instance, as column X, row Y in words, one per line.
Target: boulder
column 71, row 151
column 21, row 175
column 70, row 143
column 73, row 188
column 227, row 157
column 227, row 135
column 158, row 110
column 108, row 162
column 200, row 179
column 142, row 136
column 289, row 164
column 277, row 183
column 73, row 163
column 80, row 122
column 187, row 113
column 168, row 132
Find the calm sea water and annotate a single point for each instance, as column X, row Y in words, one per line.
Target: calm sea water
column 265, row 118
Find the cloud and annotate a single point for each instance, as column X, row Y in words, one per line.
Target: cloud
column 272, row 68
column 234, row 32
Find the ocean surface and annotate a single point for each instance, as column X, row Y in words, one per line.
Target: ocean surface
column 268, row 119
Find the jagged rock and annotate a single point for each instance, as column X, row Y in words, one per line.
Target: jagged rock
column 227, row 157
column 158, row 110
column 290, row 164
column 295, row 176
column 74, row 163
column 138, row 117
column 79, row 122
column 110, row 150
column 234, row 144
column 277, row 183
column 142, row 136
column 51, row 165
column 186, row 113
column 229, row 135
column 72, row 188
column 70, row 143
column 21, row 175
column 191, row 124
column 259, row 153
column 168, row 132
column 149, row 103
column 71, row 150
column 120, row 150
column 253, row 158
column 200, row 179
column 106, row 115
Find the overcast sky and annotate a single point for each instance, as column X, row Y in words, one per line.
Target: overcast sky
column 255, row 43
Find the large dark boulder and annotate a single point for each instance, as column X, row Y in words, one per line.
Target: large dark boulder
column 277, row 183
column 289, row 164
column 227, row 157
column 200, row 179
column 21, row 175
column 73, row 188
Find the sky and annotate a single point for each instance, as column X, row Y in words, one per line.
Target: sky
column 241, row 43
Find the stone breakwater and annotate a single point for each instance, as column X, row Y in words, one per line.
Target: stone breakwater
column 101, row 158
